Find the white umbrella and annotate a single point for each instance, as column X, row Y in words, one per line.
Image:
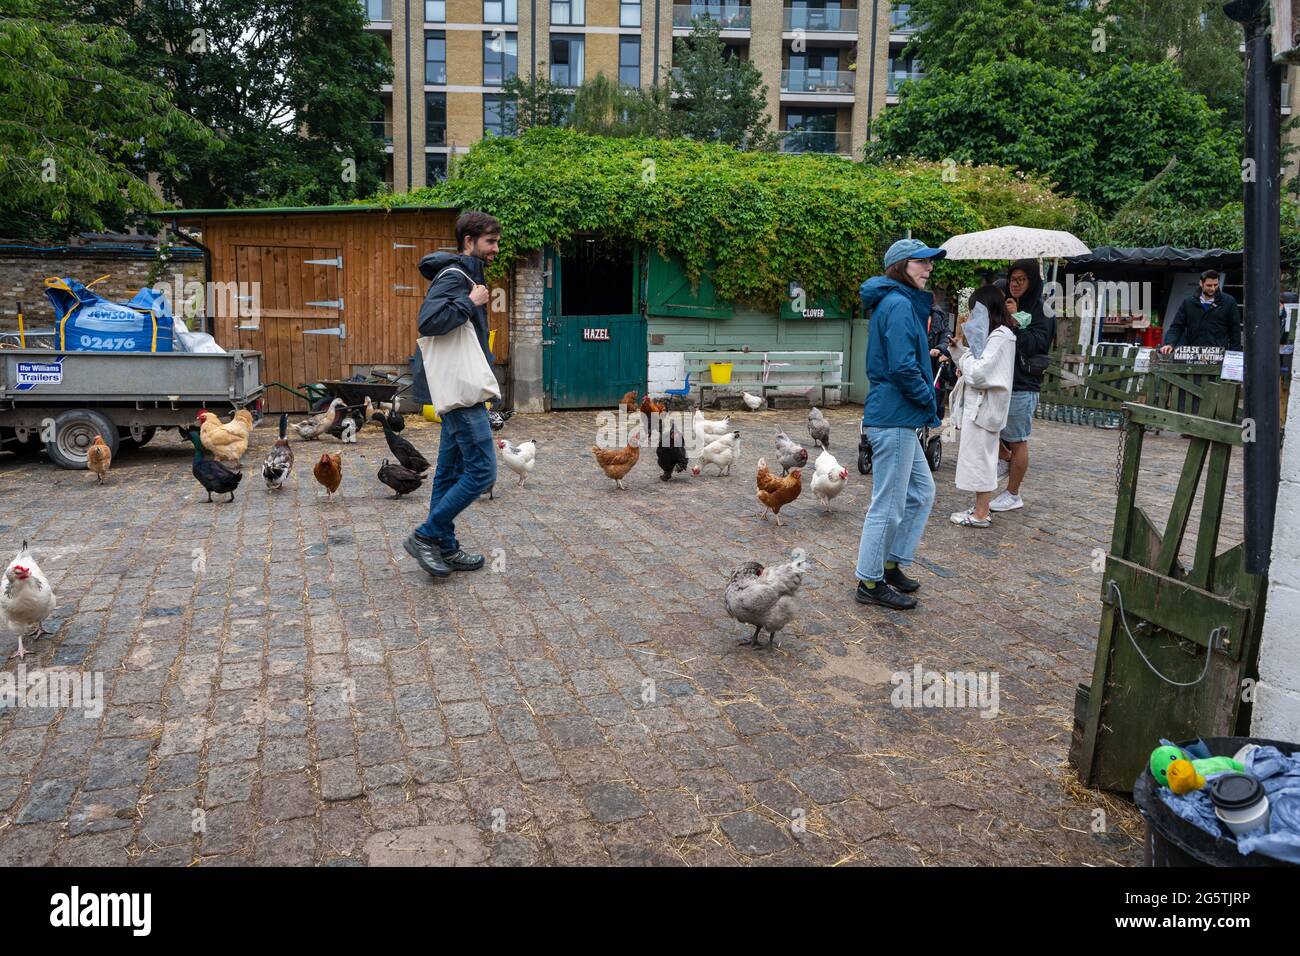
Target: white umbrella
column 1015, row 242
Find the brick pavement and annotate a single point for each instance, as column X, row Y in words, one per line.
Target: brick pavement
column 309, row 696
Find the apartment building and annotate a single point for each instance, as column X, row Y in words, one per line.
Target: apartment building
column 830, row 66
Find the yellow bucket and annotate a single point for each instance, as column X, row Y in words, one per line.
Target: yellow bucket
column 492, row 341
column 430, row 414
column 720, row 372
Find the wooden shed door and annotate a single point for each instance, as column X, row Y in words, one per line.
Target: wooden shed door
column 302, row 322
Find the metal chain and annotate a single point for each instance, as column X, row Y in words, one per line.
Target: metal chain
column 1113, row 585
column 1119, row 449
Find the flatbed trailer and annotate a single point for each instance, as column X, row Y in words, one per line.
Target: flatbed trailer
column 59, row 401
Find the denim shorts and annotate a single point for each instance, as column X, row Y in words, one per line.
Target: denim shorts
column 1020, row 419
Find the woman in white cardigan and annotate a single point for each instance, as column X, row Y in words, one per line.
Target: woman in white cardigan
column 980, row 403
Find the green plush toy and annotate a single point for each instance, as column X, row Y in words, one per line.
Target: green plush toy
column 1162, row 757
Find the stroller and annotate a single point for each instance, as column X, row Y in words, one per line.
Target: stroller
column 945, row 377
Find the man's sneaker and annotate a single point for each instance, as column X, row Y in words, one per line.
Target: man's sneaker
column 899, row 581
column 1006, row 502
column 885, row 596
column 427, row 555
column 967, row 519
column 462, row 560
column 1003, row 468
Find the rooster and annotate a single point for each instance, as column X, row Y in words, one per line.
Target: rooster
column 519, row 458
column 227, row 441
column 317, row 425
column 329, row 473
column 211, row 474
column 279, row 460
column 617, row 462
column 789, row 452
column 819, row 428
column 752, row 402
column 26, row 598
column 763, row 597
column 829, row 478
column 671, row 455
column 99, row 458
column 775, row 493
column 407, row 455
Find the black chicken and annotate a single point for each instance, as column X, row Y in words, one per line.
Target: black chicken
column 497, row 420
column 672, row 456
column 212, row 475
column 399, row 479
column 406, row 453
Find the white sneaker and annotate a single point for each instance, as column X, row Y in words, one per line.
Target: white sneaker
column 967, row 519
column 1003, row 468
column 1006, row 502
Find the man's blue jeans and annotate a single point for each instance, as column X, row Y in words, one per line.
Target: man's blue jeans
column 902, row 493
column 467, row 467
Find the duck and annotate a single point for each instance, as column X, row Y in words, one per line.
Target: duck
column 212, row 474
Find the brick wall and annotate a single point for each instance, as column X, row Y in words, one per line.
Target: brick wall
column 22, row 279
column 526, row 335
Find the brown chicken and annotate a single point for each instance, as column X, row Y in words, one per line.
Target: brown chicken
column 329, row 472
column 628, row 401
column 617, row 462
column 227, row 441
column 99, row 459
column 775, row 493
column 650, row 407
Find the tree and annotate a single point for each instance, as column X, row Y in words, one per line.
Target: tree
column 717, row 97
column 1101, row 137
column 74, row 124
column 534, row 101
column 956, row 35
column 289, row 87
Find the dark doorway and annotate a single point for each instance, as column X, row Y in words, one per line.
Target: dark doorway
column 598, row 277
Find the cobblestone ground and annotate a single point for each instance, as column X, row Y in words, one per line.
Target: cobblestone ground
column 285, row 686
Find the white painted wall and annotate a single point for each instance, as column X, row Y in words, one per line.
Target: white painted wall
column 1277, row 696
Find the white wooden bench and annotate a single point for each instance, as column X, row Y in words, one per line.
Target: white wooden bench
column 768, row 373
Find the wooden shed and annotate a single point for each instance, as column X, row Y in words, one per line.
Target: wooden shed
column 332, row 290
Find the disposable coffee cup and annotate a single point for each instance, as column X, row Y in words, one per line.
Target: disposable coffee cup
column 1240, row 802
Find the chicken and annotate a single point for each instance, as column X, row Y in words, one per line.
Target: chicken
column 819, row 428
column 650, row 408
column 775, row 493
column 407, row 454
column 752, row 402
column 497, row 420
column 99, row 459
column 617, row 462
column 829, row 478
column 519, row 458
column 706, row 430
column 26, row 598
column 329, row 472
column 722, row 452
column 628, row 402
column 227, row 441
column 790, row 453
column 398, row 478
column 671, row 454
column 279, row 460
column 212, row 474
column 317, row 425
column 763, row 597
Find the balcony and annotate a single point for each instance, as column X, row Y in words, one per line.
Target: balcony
column 729, row 16
column 821, row 20
column 817, row 81
column 898, row 77
column 899, row 17
column 378, row 11
column 816, row 141
column 382, row 129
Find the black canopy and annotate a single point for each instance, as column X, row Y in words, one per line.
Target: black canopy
column 1159, row 257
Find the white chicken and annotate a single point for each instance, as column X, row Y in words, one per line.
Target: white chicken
column 519, row 458
column 722, row 452
column 752, row 402
column 829, row 478
column 707, row 429
column 26, row 598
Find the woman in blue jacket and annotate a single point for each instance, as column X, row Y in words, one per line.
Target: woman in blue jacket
column 901, row 399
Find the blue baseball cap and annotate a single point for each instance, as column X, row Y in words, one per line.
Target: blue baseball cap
column 911, row 249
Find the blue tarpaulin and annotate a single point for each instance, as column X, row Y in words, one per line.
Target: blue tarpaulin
column 87, row 322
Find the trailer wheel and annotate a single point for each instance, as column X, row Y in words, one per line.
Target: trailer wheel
column 74, row 432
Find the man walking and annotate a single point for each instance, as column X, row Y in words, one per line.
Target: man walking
column 1208, row 318
column 467, row 462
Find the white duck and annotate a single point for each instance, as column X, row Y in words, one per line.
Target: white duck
column 26, row 598
column 519, row 458
column 829, row 478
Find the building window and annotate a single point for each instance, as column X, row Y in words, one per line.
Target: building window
column 568, row 13
column 629, row 61
column 500, row 11
column 435, row 57
column 375, row 9
column 566, row 60
column 629, row 14
column 435, row 168
column 435, row 119
column 496, row 111
column 435, row 11
column 500, row 57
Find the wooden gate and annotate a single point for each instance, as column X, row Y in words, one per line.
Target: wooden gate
column 1175, row 642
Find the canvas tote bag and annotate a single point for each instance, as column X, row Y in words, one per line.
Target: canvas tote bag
column 455, row 367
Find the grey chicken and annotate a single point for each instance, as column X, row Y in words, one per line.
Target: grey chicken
column 789, row 452
column 819, row 428
column 763, row 597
